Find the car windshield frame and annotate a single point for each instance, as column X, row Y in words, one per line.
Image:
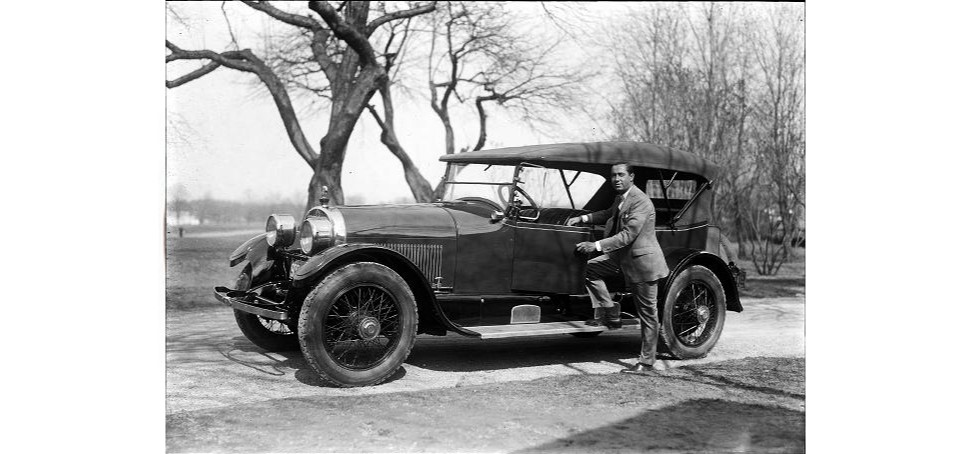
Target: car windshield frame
column 453, row 170
column 517, row 181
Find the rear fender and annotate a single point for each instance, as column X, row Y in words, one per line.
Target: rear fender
column 260, row 256
column 681, row 258
column 431, row 319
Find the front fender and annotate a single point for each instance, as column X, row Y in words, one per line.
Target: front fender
column 259, row 254
column 319, row 265
column 680, row 258
column 316, row 266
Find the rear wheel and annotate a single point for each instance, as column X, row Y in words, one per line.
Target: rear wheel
column 358, row 325
column 693, row 313
column 272, row 335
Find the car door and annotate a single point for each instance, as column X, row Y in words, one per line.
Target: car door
column 545, row 258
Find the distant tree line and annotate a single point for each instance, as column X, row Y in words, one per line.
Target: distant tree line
column 213, row 211
column 208, row 210
column 725, row 81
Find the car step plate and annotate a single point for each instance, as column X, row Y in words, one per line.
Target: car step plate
column 542, row 329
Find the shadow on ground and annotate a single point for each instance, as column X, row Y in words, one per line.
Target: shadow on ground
column 272, row 365
column 747, row 405
column 458, row 355
column 451, row 354
column 696, row 425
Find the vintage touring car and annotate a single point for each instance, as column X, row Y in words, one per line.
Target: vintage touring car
column 352, row 286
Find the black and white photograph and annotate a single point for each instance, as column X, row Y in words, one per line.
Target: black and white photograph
column 485, row 227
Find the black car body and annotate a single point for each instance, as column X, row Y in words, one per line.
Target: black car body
column 353, row 285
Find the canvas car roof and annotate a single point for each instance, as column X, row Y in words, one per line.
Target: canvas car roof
column 595, row 157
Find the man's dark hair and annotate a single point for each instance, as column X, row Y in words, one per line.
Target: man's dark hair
column 629, row 168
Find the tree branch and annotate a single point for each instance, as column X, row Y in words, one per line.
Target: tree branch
column 208, row 68
column 405, row 14
column 482, row 130
column 234, row 59
column 377, row 116
column 318, row 40
column 285, row 17
column 318, row 45
column 245, row 60
column 353, row 37
column 232, row 35
column 420, row 188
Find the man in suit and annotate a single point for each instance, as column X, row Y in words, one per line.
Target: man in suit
column 630, row 246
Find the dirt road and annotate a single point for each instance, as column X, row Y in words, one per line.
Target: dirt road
column 550, row 393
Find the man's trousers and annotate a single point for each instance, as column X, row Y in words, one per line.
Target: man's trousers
column 645, row 294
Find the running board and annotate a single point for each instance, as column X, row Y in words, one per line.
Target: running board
column 542, row 329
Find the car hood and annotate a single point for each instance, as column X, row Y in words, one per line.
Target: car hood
column 421, row 220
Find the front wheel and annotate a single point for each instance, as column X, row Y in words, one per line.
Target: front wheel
column 693, row 313
column 358, row 325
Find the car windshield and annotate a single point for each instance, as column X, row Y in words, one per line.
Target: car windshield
column 550, row 188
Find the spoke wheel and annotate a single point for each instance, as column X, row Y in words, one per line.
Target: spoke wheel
column 693, row 310
column 275, row 326
column 693, row 313
column 358, row 325
column 362, row 327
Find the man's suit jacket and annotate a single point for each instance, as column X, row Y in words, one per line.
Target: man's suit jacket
column 635, row 244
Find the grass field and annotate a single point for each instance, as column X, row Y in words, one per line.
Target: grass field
column 200, row 261
column 194, row 265
column 207, row 229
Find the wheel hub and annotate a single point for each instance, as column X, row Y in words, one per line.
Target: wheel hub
column 703, row 314
column 369, row 328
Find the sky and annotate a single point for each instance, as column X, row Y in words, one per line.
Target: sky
column 232, row 144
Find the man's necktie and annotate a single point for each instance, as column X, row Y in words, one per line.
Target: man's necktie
column 616, row 216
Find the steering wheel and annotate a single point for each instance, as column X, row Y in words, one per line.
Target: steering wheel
column 527, row 197
column 534, row 205
column 482, row 200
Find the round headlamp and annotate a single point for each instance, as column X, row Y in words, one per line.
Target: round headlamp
column 280, row 230
column 316, row 234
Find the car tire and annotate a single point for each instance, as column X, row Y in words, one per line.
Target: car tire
column 358, row 325
column 692, row 315
column 271, row 335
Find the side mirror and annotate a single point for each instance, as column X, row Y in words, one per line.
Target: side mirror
column 497, row 216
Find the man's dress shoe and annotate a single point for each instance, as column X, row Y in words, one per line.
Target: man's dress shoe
column 640, row 369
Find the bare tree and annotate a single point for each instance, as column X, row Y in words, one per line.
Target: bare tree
column 478, row 52
column 178, row 201
column 340, row 49
column 779, row 142
column 724, row 81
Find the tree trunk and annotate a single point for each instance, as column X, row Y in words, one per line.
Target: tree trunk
column 327, row 169
column 333, row 147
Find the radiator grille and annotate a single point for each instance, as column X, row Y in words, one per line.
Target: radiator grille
column 426, row 256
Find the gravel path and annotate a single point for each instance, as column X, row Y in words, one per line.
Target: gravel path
column 454, row 394
column 210, row 364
